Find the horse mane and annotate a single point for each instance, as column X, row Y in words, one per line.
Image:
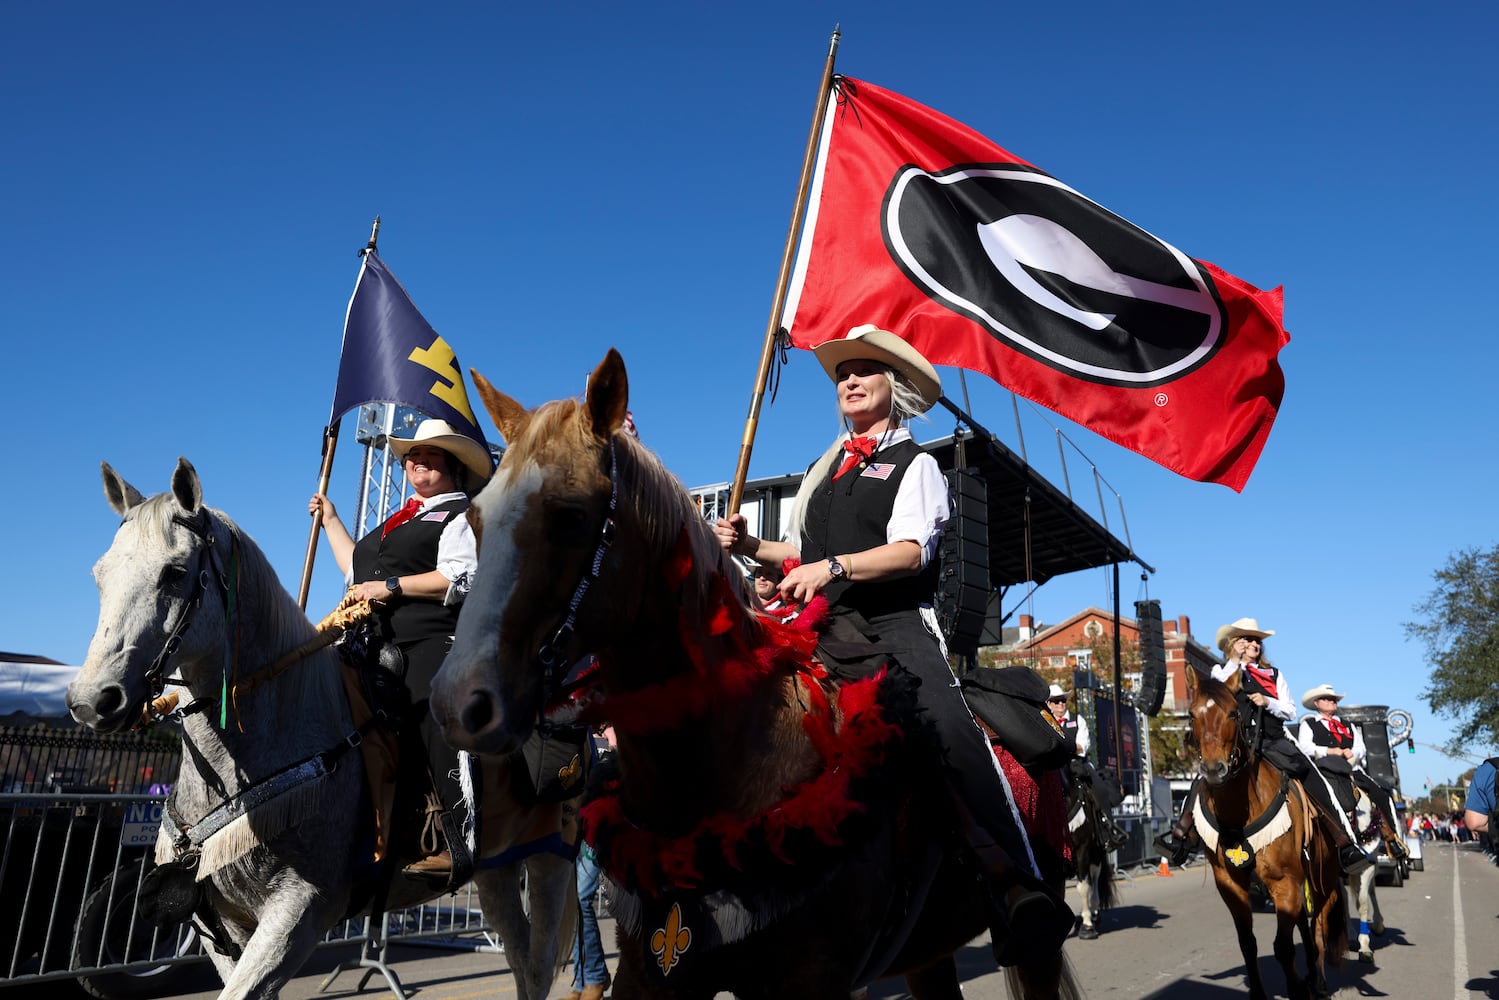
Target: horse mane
column 281, row 625
column 662, row 509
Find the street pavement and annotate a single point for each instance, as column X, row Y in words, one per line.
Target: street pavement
column 1168, row 939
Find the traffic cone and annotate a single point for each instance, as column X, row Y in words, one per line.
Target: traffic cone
column 1164, row 870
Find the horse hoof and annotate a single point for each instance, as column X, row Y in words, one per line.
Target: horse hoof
column 1087, row 933
column 1366, row 956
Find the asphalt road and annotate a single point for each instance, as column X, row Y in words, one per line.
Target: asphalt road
column 1168, row 939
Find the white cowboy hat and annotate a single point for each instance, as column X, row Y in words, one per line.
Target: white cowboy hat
column 1320, row 691
column 440, row 434
column 1247, row 627
column 1056, row 692
column 869, row 341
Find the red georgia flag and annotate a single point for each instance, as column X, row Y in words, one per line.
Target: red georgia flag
column 929, row 230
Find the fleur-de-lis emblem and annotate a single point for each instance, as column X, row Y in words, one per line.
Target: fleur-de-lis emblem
column 570, row 772
column 1237, row 856
column 669, row 942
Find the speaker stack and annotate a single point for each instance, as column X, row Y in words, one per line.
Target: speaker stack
column 1152, row 657
column 962, row 598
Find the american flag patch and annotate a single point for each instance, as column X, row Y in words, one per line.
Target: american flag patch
column 878, row 470
column 436, row 515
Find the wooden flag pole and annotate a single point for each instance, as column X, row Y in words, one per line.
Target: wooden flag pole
column 783, row 280
column 330, row 445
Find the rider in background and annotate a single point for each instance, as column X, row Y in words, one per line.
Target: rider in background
column 1074, row 727
column 1337, row 749
column 416, row 570
column 1264, row 695
column 866, row 523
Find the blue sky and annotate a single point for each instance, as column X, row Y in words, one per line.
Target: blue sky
column 188, row 186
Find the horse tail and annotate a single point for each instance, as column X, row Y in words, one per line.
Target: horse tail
column 1050, row 977
column 1107, row 896
column 568, row 929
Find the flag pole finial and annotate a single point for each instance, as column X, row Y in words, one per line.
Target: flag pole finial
column 374, row 236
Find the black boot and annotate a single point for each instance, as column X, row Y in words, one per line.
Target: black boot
column 1350, row 856
column 1177, row 842
column 1027, row 918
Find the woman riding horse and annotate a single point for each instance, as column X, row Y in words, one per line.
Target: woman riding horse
column 1337, row 749
column 1264, row 695
column 867, row 531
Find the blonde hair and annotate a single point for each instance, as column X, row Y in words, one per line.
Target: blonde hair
column 906, row 405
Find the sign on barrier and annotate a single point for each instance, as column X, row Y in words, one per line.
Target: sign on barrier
column 142, row 821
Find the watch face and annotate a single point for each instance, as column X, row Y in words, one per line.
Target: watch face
column 393, row 584
column 836, row 568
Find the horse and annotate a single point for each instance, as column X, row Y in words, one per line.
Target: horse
column 1094, row 838
column 1360, row 887
column 754, row 846
column 1256, row 821
column 183, row 590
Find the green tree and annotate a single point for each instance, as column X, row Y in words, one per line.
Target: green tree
column 1459, row 627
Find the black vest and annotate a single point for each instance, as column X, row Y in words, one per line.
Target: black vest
column 1069, row 733
column 406, row 551
column 852, row 515
column 1325, row 737
column 1274, row 727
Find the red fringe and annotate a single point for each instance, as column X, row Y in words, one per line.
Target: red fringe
column 1043, row 809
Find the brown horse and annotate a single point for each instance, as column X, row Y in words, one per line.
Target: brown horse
column 1255, row 821
column 771, row 835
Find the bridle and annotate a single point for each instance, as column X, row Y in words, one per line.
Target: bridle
column 211, row 569
column 1245, row 748
column 551, row 654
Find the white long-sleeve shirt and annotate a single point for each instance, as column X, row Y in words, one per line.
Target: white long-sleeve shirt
column 1281, row 706
column 1313, row 749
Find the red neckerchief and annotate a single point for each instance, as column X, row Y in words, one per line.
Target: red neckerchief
column 400, row 517
column 1264, row 678
column 856, row 450
column 1336, row 727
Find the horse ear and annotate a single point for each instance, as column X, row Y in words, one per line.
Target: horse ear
column 508, row 415
column 185, row 486
column 608, row 395
column 120, row 494
column 1192, row 678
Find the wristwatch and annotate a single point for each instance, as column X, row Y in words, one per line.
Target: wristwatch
column 393, row 585
column 835, row 568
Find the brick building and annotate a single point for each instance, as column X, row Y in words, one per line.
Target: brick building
column 1085, row 640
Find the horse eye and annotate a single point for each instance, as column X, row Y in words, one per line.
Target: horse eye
column 171, row 575
column 567, row 525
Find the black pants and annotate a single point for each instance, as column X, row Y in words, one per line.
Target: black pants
column 423, row 659
column 967, row 759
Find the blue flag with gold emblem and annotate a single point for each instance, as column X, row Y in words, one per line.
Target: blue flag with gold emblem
column 391, row 354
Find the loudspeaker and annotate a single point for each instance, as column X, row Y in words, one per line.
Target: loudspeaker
column 962, row 598
column 1152, row 657
column 1373, row 722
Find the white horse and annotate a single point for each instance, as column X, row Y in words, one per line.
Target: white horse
column 1360, row 887
column 277, row 819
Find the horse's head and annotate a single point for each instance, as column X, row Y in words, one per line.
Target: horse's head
column 1218, row 729
column 168, row 553
column 587, row 546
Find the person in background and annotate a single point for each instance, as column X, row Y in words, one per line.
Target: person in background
column 1337, row 749
column 866, row 523
column 1074, row 727
column 1479, row 808
column 415, row 569
column 591, row 977
column 1264, row 695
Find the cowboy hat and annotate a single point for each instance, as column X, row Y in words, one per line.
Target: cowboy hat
column 869, row 341
column 1247, row 627
column 1320, row 691
column 1056, row 692
column 440, row 434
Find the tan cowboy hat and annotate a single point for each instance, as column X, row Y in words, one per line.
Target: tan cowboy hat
column 1056, row 692
column 1320, row 691
column 440, row 434
column 1244, row 626
column 869, row 341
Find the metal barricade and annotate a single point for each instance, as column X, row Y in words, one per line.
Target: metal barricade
column 79, row 813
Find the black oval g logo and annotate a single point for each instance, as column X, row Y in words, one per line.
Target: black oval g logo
column 1052, row 274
